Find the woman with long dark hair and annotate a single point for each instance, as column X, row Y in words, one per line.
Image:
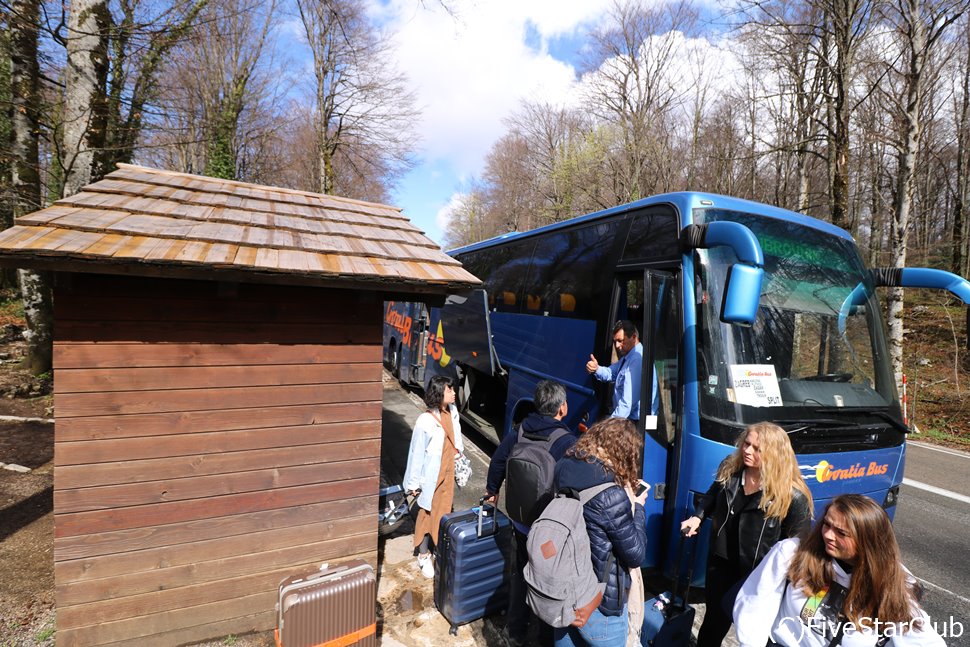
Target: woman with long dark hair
column 758, row 498
column 609, row 452
column 430, row 474
column 843, row 585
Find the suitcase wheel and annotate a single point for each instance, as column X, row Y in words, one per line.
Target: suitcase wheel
column 454, row 630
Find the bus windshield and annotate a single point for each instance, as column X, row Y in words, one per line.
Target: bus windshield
column 818, row 348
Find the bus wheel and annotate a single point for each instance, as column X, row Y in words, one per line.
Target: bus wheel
column 391, row 359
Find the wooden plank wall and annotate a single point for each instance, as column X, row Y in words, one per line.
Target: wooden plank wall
column 211, row 439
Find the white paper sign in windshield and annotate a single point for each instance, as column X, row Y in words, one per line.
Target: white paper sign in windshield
column 755, row 385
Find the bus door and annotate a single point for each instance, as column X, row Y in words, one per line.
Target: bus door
column 468, row 331
column 650, row 299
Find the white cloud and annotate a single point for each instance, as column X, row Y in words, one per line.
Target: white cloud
column 558, row 17
column 472, row 69
column 445, row 213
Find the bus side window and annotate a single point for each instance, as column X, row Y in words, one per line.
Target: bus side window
column 653, row 236
column 503, row 278
column 563, row 279
column 544, row 280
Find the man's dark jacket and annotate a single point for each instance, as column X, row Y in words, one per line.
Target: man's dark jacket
column 612, row 527
column 756, row 534
column 535, row 425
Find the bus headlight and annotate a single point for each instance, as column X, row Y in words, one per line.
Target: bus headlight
column 892, row 496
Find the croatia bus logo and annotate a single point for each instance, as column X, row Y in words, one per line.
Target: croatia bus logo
column 826, row 471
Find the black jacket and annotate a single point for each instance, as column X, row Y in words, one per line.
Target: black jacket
column 757, row 534
column 612, row 525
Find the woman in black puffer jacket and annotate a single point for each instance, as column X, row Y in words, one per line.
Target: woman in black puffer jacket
column 608, row 453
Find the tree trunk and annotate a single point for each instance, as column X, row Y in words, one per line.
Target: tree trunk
column 123, row 132
column 39, row 312
column 34, row 286
column 24, row 73
column 6, row 121
column 840, row 166
column 899, row 239
column 8, row 276
column 963, row 168
column 85, row 108
column 845, row 22
column 917, row 46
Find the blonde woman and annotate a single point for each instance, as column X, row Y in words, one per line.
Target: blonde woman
column 757, row 499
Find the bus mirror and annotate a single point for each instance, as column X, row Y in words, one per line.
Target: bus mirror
column 742, row 289
column 724, row 233
column 742, row 292
column 922, row 277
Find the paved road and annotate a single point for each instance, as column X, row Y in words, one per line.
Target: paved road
column 933, row 529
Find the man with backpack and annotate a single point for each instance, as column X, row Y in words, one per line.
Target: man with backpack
column 525, row 460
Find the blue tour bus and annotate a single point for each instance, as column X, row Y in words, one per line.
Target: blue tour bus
column 405, row 340
column 747, row 313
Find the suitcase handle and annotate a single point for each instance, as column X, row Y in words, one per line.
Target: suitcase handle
column 325, row 570
column 690, row 569
column 493, row 527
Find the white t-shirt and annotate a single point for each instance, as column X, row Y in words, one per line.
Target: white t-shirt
column 767, row 608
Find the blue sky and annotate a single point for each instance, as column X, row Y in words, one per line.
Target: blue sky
column 471, row 70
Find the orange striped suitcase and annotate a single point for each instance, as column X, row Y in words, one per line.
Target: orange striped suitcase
column 332, row 607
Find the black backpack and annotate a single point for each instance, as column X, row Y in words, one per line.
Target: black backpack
column 529, row 475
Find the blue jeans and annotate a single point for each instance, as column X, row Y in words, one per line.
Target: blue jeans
column 599, row 631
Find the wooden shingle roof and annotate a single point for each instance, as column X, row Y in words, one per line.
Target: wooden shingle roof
column 139, row 220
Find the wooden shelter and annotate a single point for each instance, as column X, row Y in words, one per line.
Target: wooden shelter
column 217, row 393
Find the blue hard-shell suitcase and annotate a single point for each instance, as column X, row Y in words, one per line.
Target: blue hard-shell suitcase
column 471, row 580
column 667, row 618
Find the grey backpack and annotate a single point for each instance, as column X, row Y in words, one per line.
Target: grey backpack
column 561, row 586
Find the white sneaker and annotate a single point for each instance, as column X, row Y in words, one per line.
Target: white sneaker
column 426, row 564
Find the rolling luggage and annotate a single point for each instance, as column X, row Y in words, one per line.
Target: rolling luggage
column 471, row 580
column 667, row 618
column 394, row 507
column 334, row 605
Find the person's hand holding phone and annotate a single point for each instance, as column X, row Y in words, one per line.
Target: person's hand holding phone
column 641, row 492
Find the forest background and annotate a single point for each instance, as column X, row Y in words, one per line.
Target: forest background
column 853, row 111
